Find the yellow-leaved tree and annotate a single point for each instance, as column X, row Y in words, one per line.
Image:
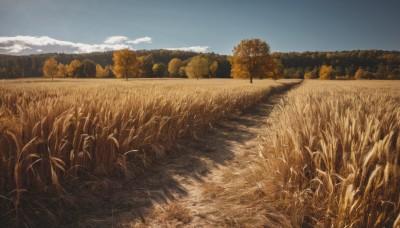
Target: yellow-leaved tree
column 61, row 70
column 325, row 73
column 50, row 68
column 251, row 58
column 173, row 67
column 73, row 68
column 360, row 73
column 197, row 67
column 213, row 69
column 126, row 64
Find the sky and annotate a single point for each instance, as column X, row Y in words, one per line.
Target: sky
column 77, row 26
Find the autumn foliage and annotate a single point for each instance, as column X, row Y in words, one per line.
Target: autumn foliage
column 50, row 68
column 126, row 64
column 197, row 67
column 251, row 58
column 325, row 73
column 173, row 67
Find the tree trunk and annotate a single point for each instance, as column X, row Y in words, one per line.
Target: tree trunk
column 251, row 79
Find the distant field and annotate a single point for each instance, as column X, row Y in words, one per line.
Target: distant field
column 55, row 132
column 333, row 157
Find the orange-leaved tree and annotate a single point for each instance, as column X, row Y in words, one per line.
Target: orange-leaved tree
column 325, row 73
column 126, row 63
column 50, row 68
column 73, row 68
column 251, row 58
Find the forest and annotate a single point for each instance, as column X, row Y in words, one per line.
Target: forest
column 366, row 64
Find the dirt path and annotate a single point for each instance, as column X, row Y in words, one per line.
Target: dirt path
column 203, row 184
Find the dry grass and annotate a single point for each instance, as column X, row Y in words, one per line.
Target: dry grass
column 54, row 133
column 333, row 156
column 170, row 215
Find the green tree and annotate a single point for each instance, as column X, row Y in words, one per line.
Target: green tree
column 147, row 62
column 381, row 72
column 159, row 69
column 88, row 69
column 197, row 67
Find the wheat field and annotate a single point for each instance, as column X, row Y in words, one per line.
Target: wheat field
column 52, row 133
column 332, row 156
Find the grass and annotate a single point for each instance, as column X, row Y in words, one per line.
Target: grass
column 56, row 133
column 333, row 156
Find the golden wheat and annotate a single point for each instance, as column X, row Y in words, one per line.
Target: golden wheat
column 51, row 133
column 334, row 153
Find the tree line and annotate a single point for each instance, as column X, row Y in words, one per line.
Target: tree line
column 369, row 64
column 366, row 64
column 99, row 64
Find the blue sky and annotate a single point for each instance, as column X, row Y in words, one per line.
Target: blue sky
column 37, row 26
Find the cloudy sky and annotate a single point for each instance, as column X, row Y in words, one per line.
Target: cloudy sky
column 77, row 26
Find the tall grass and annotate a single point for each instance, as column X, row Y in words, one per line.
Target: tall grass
column 333, row 156
column 52, row 133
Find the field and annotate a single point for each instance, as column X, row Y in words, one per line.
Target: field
column 334, row 153
column 53, row 133
column 200, row 153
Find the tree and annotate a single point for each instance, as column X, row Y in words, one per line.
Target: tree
column 88, row 69
column 395, row 74
column 277, row 69
column 173, row 67
column 197, row 67
column 50, row 68
column 74, row 68
column 102, row 72
column 61, row 70
column 147, row 66
column 213, row 69
column 251, row 58
column 381, row 72
column 126, row 63
column 325, row 73
column 159, row 69
column 308, row 75
column 359, row 74
column 182, row 71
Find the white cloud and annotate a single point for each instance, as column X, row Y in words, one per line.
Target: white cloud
column 21, row 45
column 193, row 48
column 146, row 39
column 115, row 39
column 15, row 48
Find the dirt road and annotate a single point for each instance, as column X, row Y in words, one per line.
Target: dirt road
column 207, row 182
